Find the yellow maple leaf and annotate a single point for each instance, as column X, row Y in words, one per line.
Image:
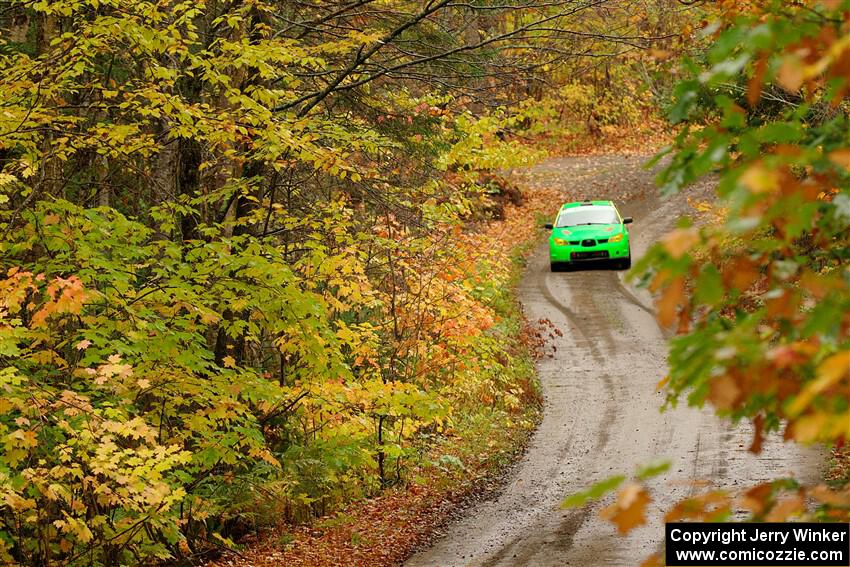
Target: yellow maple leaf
column 830, row 372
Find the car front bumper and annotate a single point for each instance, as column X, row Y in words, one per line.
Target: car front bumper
column 579, row 253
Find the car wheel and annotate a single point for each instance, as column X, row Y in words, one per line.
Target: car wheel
column 555, row 266
column 626, row 262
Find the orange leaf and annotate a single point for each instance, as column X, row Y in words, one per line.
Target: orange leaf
column 822, row 493
column 820, row 285
column 758, row 434
column 785, row 508
column 790, row 76
column 628, row 511
column 724, row 392
column 793, row 354
column 782, row 306
column 841, row 157
column 756, row 82
column 680, row 241
column 658, row 281
column 759, row 179
column 699, row 507
column 740, row 273
column 653, row 560
column 755, row 499
column 670, row 299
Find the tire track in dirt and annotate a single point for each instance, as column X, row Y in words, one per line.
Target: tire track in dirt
column 574, row 519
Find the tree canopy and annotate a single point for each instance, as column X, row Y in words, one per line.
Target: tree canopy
column 239, row 280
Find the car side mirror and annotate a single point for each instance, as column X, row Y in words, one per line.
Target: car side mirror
column 628, row 220
column 548, row 225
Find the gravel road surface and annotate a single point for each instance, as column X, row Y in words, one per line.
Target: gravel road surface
column 601, row 413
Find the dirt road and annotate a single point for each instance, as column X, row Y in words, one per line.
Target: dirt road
column 601, row 413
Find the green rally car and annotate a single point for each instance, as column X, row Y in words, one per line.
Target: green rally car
column 587, row 231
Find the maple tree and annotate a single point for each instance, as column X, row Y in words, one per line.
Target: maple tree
column 242, row 251
column 759, row 292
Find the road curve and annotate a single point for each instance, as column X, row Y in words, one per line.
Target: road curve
column 601, row 412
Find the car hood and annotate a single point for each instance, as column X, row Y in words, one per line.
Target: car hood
column 588, row 231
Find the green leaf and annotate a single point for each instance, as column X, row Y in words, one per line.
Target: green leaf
column 653, row 469
column 709, row 287
column 686, row 98
column 780, row 132
column 598, row 490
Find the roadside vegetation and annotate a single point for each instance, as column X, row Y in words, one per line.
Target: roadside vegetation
column 257, row 257
column 444, row 468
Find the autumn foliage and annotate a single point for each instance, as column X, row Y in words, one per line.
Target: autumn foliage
column 758, row 288
column 246, row 267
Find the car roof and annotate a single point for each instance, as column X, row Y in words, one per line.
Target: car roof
column 587, row 204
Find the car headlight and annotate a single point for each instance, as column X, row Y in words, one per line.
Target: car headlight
column 616, row 238
column 561, row 242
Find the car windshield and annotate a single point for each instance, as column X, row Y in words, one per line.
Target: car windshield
column 587, row 215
